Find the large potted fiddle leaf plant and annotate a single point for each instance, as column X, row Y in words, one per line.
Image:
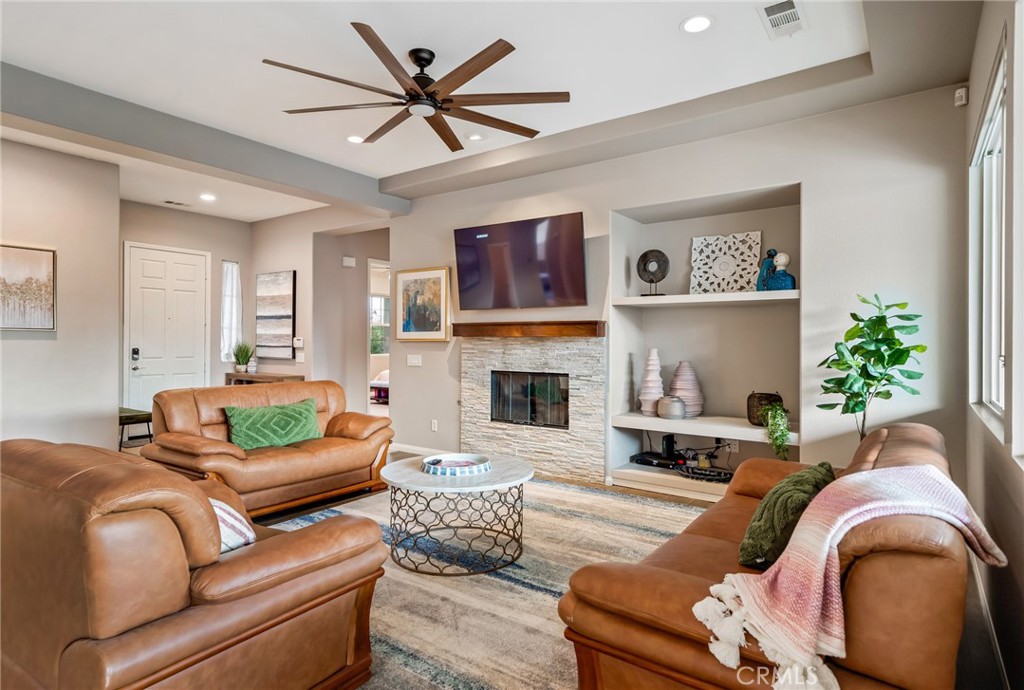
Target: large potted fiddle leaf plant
column 872, row 360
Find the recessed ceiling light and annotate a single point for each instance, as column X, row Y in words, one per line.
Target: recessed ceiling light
column 355, row 140
column 475, row 136
column 207, row 197
column 696, row 24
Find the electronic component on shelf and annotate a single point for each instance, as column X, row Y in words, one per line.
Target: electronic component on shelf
column 657, row 460
column 705, row 474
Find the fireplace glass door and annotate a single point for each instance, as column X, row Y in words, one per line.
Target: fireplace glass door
column 534, row 399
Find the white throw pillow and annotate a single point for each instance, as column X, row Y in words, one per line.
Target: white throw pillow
column 235, row 530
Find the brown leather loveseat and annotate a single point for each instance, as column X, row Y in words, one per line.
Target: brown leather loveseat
column 904, row 587
column 113, row 578
column 191, row 436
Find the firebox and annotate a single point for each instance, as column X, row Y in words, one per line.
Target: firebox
column 530, row 398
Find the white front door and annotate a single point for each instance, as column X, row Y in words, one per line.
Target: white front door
column 167, row 343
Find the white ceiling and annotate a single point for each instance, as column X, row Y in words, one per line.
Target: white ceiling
column 201, row 61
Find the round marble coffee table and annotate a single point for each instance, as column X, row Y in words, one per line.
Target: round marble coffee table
column 457, row 525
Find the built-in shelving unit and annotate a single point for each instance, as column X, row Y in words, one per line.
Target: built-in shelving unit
column 737, row 342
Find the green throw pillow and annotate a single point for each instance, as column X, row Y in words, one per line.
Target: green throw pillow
column 276, row 425
column 775, row 519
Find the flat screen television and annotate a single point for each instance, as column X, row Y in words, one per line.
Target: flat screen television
column 523, row 264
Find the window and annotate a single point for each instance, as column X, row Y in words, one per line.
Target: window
column 989, row 209
column 380, row 324
column 230, row 309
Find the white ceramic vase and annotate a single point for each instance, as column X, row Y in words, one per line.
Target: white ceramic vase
column 652, row 388
column 251, row 367
column 686, row 386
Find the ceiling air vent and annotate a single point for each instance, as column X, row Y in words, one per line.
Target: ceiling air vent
column 175, row 203
column 781, row 18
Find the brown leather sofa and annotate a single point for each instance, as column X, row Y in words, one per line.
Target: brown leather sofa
column 191, row 436
column 904, row 587
column 112, row 578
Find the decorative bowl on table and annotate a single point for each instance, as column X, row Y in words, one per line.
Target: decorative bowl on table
column 456, row 464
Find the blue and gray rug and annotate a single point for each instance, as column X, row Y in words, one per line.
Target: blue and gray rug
column 501, row 630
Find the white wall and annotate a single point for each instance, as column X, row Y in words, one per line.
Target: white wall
column 226, row 240
column 995, row 479
column 882, row 204
column 69, row 204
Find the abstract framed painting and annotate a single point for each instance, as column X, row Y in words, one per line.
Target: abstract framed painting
column 28, row 288
column 275, row 315
column 422, row 304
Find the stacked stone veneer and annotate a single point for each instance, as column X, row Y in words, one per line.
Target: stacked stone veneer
column 573, row 453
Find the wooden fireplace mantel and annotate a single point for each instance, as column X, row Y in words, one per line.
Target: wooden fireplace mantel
column 530, row 329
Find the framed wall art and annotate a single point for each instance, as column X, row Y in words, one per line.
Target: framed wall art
column 725, row 263
column 28, row 288
column 275, row 315
column 422, row 304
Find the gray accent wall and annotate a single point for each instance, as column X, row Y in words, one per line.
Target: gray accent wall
column 883, row 202
column 63, row 386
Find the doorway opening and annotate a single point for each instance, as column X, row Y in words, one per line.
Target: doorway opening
column 379, row 369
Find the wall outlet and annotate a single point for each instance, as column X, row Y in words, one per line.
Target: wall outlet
column 414, row 361
column 734, row 445
column 433, row 425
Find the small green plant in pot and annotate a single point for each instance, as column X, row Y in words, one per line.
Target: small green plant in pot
column 775, row 418
column 872, row 359
column 243, row 353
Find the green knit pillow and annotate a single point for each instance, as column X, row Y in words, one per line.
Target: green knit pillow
column 276, row 425
column 775, row 519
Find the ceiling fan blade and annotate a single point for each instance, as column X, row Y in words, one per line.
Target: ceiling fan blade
column 488, row 121
column 471, row 67
column 387, row 57
column 339, row 80
column 400, row 117
column 442, row 130
column 357, row 106
column 508, row 98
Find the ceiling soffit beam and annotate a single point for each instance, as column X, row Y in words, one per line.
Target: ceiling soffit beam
column 914, row 46
column 28, row 97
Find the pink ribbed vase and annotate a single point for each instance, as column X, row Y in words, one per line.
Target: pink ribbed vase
column 686, row 386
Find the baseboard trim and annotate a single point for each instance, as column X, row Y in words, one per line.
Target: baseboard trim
column 417, row 450
column 983, row 595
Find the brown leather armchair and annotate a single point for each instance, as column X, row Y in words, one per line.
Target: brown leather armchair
column 191, row 436
column 112, row 578
column 904, row 588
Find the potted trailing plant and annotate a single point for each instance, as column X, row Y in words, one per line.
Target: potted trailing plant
column 872, row 359
column 243, row 353
column 775, row 419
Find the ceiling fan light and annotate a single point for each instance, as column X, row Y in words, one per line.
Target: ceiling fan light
column 354, row 139
column 422, row 109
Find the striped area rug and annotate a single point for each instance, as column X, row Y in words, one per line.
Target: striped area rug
column 501, row 630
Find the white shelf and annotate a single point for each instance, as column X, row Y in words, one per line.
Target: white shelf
column 737, row 428
column 707, row 300
column 664, row 481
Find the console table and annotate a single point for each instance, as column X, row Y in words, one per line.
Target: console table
column 233, row 378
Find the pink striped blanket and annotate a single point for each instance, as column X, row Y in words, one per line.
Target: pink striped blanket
column 795, row 608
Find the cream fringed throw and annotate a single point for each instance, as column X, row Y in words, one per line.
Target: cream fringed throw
column 795, row 608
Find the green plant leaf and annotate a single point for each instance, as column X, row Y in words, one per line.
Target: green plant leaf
column 854, row 332
column 909, row 389
column 898, row 358
column 865, row 300
column 884, row 395
column 910, row 374
column 897, row 305
column 856, row 317
column 828, row 406
column 906, row 317
column 917, row 348
column 906, row 330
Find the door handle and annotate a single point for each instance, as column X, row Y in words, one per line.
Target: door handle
column 135, row 367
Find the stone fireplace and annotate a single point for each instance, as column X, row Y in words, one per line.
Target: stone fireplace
column 553, row 390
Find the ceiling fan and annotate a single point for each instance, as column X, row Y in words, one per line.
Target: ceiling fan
column 433, row 99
